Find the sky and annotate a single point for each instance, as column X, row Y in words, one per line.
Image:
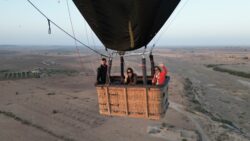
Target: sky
column 194, row 23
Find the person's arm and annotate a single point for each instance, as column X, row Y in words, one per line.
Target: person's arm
column 126, row 79
column 163, row 68
column 135, row 79
column 163, row 73
column 154, row 80
column 98, row 75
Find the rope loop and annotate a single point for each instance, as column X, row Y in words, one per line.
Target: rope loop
column 49, row 30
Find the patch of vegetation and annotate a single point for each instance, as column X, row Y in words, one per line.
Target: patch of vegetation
column 232, row 72
column 36, row 73
column 191, row 93
column 26, row 122
column 51, row 93
column 245, row 58
column 223, row 137
column 213, row 65
column 60, row 71
column 224, row 121
column 4, row 71
column 216, row 67
column 54, row 111
column 200, row 109
column 195, row 104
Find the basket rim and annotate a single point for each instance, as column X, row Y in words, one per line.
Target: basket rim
column 135, row 86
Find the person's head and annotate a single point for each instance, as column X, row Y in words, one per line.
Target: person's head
column 157, row 69
column 130, row 72
column 103, row 61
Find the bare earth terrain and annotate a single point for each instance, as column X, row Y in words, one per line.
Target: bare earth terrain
column 209, row 97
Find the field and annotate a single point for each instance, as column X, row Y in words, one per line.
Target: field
column 209, row 97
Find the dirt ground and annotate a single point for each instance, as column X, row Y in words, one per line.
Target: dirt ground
column 205, row 105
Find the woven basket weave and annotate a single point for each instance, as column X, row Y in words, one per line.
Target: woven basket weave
column 133, row 101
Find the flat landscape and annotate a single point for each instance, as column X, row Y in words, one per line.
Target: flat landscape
column 209, row 94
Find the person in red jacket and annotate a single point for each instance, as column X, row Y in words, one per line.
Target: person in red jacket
column 160, row 75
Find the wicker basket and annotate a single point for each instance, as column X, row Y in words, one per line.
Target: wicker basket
column 149, row 102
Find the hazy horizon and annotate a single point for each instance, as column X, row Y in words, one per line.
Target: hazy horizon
column 101, row 47
column 198, row 24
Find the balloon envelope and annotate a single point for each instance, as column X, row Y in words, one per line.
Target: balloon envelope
column 125, row 25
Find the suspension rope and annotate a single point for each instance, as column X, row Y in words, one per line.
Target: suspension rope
column 86, row 32
column 86, row 46
column 93, row 40
column 49, row 30
column 170, row 23
column 73, row 31
column 145, row 49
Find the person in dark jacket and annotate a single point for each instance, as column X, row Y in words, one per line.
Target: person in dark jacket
column 102, row 72
column 130, row 77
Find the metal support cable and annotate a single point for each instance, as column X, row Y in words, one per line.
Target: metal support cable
column 170, row 23
column 64, row 30
column 86, row 32
column 73, row 32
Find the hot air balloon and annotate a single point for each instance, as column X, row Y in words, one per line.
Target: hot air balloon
column 126, row 25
